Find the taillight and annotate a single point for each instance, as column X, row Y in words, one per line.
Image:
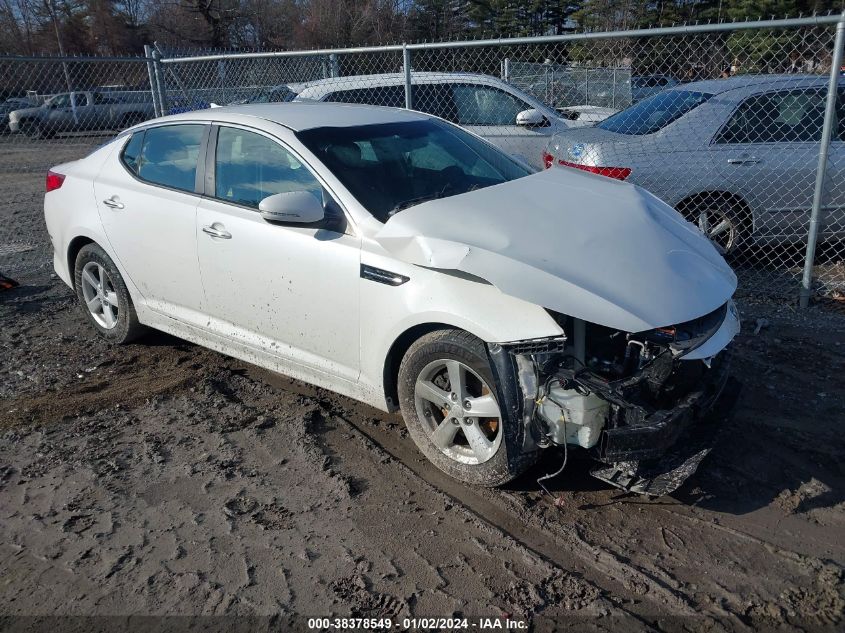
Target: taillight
column 619, row 173
column 547, row 160
column 54, row 180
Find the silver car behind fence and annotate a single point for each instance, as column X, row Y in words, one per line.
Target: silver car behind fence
column 745, row 114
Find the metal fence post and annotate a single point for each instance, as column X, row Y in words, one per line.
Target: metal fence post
column 221, row 74
column 334, row 66
column 506, row 70
column 587, row 86
column 148, row 53
column 406, row 67
column 547, row 67
column 160, row 85
column 613, row 92
column 821, row 170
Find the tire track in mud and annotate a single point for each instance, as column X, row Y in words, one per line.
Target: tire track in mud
column 127, row 379
column 595, row 535
column 643, row 590
column 615, row 576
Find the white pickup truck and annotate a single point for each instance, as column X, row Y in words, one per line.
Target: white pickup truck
column 82, row 111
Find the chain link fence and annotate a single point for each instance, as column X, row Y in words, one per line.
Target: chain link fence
column 734, row 125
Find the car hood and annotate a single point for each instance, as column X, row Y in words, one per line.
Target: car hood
column 588, row 246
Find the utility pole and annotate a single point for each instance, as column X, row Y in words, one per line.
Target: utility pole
column 51, row 8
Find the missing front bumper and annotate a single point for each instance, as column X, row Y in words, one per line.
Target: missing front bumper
column 690, row 445
column 656, row 433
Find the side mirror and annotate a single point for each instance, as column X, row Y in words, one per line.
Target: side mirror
column 296, row 207
column 531, row 118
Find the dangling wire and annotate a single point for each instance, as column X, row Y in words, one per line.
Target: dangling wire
column 548, row 476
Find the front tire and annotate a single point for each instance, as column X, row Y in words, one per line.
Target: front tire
column 33, row 129
column 450, row 403
column 104, row 297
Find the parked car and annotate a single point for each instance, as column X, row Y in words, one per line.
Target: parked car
column 644, row 86
column 82, row 111
column 180, row 104
column 400, row 260
column 504, row 115
column 585, row 114
column 736, row 156
column 274, row 94
column 10, row 105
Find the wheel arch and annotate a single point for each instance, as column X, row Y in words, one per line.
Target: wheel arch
column 27, row 120
column 395, row 354
column 76, row 245
column 690, row 201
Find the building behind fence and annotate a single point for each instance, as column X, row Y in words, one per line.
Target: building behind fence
column 741, row 127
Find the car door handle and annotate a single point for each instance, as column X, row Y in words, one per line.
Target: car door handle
column 751, row 160
column 213, row 231
column 111, row 203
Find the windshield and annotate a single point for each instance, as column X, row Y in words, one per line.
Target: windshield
column 277, row 94
column 653, row 114
column 392, row 166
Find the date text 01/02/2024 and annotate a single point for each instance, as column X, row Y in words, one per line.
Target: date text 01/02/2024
column 446, row 624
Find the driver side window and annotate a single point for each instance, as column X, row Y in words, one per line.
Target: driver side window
column 250, row 167
column 61, row 101
column 484, row 105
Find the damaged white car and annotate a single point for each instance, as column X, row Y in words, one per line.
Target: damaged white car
column 397, row 259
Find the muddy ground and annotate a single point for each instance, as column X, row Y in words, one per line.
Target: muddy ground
column 162, row 478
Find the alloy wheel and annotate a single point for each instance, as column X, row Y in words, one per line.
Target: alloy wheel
column 100, row 295
column 718, row 227
column 459, row 411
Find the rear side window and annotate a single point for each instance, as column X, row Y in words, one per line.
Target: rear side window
column 390, row 96
column 655, row 113
column 433, row 99
column 789, row 116
column 169, row 155
column 132, row 152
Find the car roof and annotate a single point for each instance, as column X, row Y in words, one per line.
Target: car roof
column 303, row 115
column 388, row 79
column 718, row 86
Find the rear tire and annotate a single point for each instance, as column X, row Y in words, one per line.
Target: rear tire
column 446, row 385
column 104, row 297
column 725, row 223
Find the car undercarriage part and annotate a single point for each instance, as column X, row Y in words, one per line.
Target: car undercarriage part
column 627, row 398
column 661, row 476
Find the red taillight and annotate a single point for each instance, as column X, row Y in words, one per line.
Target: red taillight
column 54, row 180
column 547, row 160
column 619, row 173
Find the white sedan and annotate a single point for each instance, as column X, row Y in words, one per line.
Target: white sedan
column 397, row 259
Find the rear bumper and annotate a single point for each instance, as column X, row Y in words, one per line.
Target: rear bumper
column 60, row 266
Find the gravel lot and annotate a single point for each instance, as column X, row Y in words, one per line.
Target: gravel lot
column 162, row 478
